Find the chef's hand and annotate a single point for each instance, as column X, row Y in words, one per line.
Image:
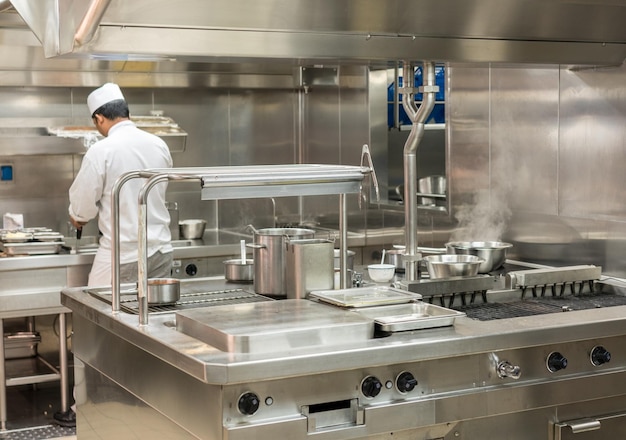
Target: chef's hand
column 76, row 223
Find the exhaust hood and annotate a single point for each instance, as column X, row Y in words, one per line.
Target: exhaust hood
column 581, row 32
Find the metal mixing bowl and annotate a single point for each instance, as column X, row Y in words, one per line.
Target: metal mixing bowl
column 447, row 265
column 492, row 252
column 192, row 229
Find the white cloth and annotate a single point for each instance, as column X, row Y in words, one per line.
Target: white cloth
column 126, row 148
column 103, row 95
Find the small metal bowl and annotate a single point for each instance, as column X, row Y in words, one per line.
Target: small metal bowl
column 192, row 229
column 446, row 265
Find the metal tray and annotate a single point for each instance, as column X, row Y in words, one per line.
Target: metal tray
column 365, row 296
column 414, row 316
column 21, row 344
column 33, row 248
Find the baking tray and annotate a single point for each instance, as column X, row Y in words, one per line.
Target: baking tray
column 413, row 316
column 365, row 296
column 33, row 248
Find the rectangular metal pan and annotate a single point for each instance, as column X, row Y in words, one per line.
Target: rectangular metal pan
column 365, row 296
column 414, row 316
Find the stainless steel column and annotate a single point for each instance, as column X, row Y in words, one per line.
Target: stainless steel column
column 3, row 382
column 63, row 362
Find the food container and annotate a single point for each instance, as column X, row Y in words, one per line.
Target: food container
column 192, row 229
column 369, row 296
column 163, row 290
column 381, row 273
column 269, row 258
column 21, row 344
column 447, row 265
column 492, row 252
column 309, row 266
column 415, row 315
column 396, row 257
column 431, row 185
column 236, row 270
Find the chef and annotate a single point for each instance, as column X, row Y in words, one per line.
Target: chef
column 124, row 148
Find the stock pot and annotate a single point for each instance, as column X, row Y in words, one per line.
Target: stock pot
column 269, row 249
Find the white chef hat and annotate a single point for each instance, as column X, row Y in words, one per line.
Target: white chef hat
column 107, row 93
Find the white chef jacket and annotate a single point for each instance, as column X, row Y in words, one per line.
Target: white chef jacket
column 126, row 148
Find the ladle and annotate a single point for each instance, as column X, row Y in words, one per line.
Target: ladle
column 243, row 251
column 382, row 259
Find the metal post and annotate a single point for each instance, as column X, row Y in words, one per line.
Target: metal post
column 63, row 362
column 343, row 245
column 3, row 382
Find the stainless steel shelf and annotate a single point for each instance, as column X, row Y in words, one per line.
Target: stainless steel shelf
column 31, row 370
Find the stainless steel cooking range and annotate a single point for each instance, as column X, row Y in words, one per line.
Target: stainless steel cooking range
column 522, row 353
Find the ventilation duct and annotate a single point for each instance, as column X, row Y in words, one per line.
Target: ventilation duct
column 587, row 32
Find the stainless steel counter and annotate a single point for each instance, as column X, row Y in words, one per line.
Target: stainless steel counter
column 210, row 365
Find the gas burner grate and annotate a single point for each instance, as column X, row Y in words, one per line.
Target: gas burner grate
column 540, row 306
column 193, row 300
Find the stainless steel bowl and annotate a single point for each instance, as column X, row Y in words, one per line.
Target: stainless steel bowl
column 492, row 252
column 236, row 270
column 163, row 290
column 192, row 229
column 450, row 265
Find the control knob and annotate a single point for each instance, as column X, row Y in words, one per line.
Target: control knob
column 371, row 386
column 248, row 404
column 191, row 269
column 406, row 382
column 600, row 355
column 556, row 362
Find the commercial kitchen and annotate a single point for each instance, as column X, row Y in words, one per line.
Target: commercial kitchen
column 491, row 183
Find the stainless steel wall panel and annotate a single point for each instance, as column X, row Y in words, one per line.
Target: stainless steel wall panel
column 593, row 151
column 520, row 134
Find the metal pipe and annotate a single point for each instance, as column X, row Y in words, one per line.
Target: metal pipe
column 63, row 362
column 5, row 5
column 142, row 239
column 115, row 239
column 343, row 244
column 90, row 22
column 418, row 116
column 3, row 381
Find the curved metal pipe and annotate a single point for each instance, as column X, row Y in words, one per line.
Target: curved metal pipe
column 142, row 241
column 418, row 116
column 90, row 22
column 115, row 239
column 5, row 5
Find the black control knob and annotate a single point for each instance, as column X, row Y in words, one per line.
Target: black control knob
column 191, row 270
column 600, row 355
column 248, row 404
column 556, row 362
column 406, row 382
column 371, row 386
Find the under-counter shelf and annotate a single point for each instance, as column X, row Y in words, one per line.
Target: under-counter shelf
column 31, row 370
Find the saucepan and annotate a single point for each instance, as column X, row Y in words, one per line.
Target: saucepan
column 163, row 290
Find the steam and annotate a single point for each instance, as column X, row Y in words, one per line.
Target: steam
column 485, row 219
